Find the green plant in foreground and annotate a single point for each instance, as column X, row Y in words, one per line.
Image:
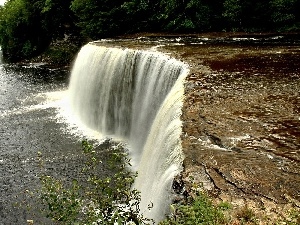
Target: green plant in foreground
column 198, row 210
column 293, row 217
column 246, row 215
column 95, row 200
column 63, row 203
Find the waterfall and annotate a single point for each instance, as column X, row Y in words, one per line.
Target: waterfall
column 136, row 96
column 1, row 56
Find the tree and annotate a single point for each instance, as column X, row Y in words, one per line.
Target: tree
column 257, row 16
column 232, row 13
column 27, row 27
column 198, row 15
column 285, row 14
column 58, row 19
column 184, row 16
column 21, row 35
column 139, row 16
column 98, row 19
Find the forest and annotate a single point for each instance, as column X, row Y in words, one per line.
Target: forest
column 28, row 27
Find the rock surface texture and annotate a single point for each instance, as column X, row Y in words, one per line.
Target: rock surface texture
column 241, row 133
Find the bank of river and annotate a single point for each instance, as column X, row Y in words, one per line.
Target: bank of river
column 240, row 122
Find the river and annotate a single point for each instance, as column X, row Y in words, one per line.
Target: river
column 240, row 121
column 30, row 98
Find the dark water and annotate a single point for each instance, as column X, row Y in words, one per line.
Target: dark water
column 28, row 126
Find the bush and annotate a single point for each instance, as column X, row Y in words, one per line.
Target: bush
column 197, row 210
column 95, row 200
column 22, row 34
column 61, row 54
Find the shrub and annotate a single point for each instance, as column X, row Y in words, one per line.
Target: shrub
column 62, row 54
column 246, row 215
column 197, row 210
column 95, row 200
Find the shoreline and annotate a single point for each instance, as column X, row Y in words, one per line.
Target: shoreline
column 229, row 172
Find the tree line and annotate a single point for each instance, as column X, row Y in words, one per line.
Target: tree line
column 27, row 27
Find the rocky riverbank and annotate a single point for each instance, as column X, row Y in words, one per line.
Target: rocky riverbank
column 241, row 125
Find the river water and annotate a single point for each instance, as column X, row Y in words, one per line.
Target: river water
column 244, row 99
column 30, row 97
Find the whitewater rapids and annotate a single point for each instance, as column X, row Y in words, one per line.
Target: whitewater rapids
column 136, row 96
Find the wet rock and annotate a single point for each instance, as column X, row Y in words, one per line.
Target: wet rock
column 241, row 125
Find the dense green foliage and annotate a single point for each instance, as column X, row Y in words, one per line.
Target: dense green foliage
column 199, row 210
column 91, row 198
column 27, row 27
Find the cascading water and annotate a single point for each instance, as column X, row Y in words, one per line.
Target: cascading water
column 1, row 56
column 136, row 96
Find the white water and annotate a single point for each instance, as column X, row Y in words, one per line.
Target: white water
column 136, row 96
column 1, row 56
